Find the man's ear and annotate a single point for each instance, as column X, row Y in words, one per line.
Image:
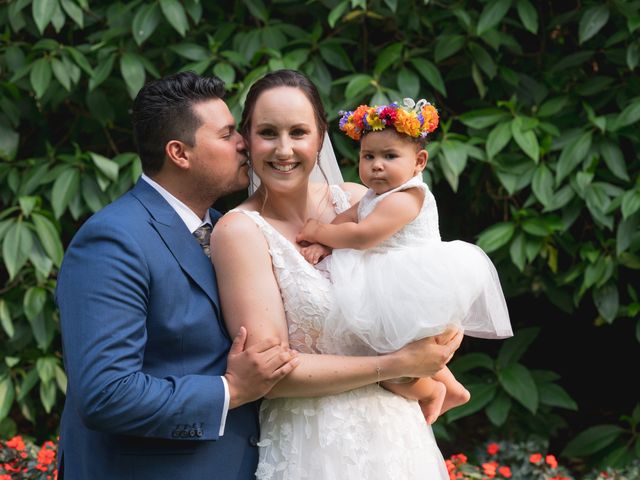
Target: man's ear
column 177, row 153
column 421, row 160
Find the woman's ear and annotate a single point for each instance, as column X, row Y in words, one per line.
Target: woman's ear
column 421, row 160
column 177, row 153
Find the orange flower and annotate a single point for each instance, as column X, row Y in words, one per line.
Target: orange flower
column 490, row 469
column 535, row 458
column 551, row 461
column 493, row 448
column 431, row 118
column 407, row 122
column 505, row 471
column 5, row 477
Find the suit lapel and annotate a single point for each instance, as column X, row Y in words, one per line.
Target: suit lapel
column 180, row 242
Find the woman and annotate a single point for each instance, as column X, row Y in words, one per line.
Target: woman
column 329, row 418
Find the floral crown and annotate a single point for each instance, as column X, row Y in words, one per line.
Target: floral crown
column 414, row 119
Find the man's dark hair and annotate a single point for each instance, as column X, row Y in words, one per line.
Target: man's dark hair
column 162, row 111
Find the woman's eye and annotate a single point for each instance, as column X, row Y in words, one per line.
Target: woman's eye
column 298, row 132
column 267, row 132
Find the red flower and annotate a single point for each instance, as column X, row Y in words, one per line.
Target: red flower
column 16, row 442
column 493, row 448
column 5, row 477
column 505, row 471
column 490, row 469
column 551, row 461
column 535, row 458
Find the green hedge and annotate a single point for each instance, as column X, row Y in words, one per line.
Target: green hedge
column 539, row 137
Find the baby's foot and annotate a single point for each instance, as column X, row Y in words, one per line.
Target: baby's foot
column 431, row 406
column 455, row 398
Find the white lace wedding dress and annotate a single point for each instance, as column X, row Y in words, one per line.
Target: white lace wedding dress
column 363, row 434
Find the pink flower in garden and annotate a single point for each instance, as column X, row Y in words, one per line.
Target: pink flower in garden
column 493, row 448
column 535, row 458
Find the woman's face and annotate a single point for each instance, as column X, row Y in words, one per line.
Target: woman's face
column 284, row 139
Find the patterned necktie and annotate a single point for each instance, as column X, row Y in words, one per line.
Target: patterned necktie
column 203, row 235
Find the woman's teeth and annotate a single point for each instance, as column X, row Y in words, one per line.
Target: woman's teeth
column 284, row 168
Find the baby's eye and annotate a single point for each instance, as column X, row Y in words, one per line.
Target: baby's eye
column 390, row 156
column 367, row 156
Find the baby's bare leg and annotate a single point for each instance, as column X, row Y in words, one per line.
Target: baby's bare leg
column 456, row 393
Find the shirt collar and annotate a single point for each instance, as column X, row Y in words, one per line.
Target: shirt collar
column 188, row 216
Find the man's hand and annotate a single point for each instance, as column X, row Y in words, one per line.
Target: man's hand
column 426, row 357
column 309, row 231
column 315, row 252
column 252, row 372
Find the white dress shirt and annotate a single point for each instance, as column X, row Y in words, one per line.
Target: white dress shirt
column 192, row 221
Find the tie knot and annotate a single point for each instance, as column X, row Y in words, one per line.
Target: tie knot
column 203, row 236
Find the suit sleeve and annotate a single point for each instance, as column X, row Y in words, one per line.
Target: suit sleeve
column 103, row 297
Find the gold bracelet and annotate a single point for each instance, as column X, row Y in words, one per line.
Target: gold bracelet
column 378, row 370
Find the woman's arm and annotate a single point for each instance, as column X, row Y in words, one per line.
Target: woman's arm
column 389, row 216
column 250, row 297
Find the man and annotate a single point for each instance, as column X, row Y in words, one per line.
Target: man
column 156, row 388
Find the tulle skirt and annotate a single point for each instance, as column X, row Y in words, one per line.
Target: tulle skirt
column 364, row 434
column 392, row 297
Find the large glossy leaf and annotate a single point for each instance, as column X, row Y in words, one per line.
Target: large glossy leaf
column 145, row 22
column 33, row 302
column 498, row 410
column 592, row 440
column 408, row 83
column 5, row 318
column 542, row 185
column 9, row 139
column 607, row 301
column 614, row 159
column 514, row 348
column 483, row 118
column 498, row 138
column 481, row 395
column 493, row 12
column 470, row 361
column 7, row 395
column 357, row 85
column 43, row 11
column 525, row 139
column 388, row 57
column 528, row 15
column 64, row 189
column 592, row 21
column 448, row 45
column 174, row 14
column 495, row 236
column 555, row 396
column 40, row 76
column 132, row 71
column 430, row 73
column 16, row 247
column 518, row 382
column 74, row 11
column 574, row 153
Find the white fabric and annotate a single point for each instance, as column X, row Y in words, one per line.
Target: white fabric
column 193, row 222
column 326, row 159
column 413, row 285
column 367, row 433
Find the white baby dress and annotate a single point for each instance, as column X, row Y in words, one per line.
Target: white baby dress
column 413, row 285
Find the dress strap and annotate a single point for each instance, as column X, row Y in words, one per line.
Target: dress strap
column 341, row 200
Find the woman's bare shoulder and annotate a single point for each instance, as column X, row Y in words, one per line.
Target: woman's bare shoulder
column 233, row 226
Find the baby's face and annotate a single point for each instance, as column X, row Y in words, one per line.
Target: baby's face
column 388, row 159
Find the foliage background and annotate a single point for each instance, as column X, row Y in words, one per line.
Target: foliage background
column 536, row 160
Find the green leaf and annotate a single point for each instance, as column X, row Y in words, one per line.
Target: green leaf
column 7, row 395
column 630, row 115
column 592, row 440
column 102, row 72
column 46, row 367
column 495, row 236
column 358, row 84
column 5, row 318
column 454, row 155
column 552, row 106
column 555, row 396
column 39, row 259
column 190, row 51
column 132, row 72
column 633, row 55
column 336, row 12
column 542, row 185
column 28, row 382
column 512, row 349
column 572, row 154
column 492, row 14
column 387, row 57
column 33, row 302
column 592, row 21
column 481, row 395
column 470, row 361
column 9, row 140
column 498, row 138
column 627, row 229
column 630, row 203
column 528, row 15
column 447, row 45
column 16, row 247
column 61, row 73
column 408, row 83
column 392, row 4
column 526, row 140
column 483, row 59
column 42, row 329
column 61, row 379
column 107, row 167
column 80, row 59
column 73, row 11
column 334, row 54
column 145, row 22
column 430, row 73
column 483, row 118
column 176, row 16
column 48, row 395
column 43, row 11
column 518, row 382
column 517, row 251
column 257, row 9
column 40, row 76
column 64, row 189
column 498, row 410
column 607, row 301
column 614, row 159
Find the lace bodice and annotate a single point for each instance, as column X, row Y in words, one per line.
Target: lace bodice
column 423, row 227
column 306, row 291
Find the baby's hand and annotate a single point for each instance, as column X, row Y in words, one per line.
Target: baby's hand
column 308, row 232
column 315, row 252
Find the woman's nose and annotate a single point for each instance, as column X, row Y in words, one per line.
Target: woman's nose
column 283, row 147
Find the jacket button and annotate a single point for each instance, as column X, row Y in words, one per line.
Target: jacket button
column 253, row 441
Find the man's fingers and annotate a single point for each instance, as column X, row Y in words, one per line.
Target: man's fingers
column 239, row 341
column 286, row 369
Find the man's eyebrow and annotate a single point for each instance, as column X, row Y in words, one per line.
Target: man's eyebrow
column 228, row 128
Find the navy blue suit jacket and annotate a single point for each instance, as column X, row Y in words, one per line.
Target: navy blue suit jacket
column 144, row 348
